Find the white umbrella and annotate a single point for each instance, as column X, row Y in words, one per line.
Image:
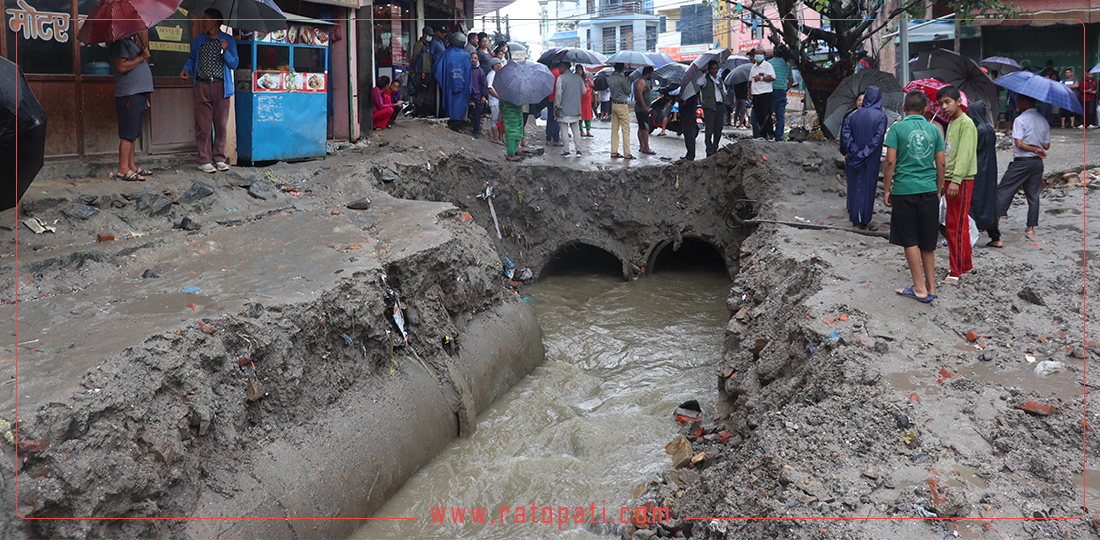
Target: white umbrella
column 630, row 58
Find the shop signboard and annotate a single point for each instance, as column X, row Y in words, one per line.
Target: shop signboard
column 397, row 49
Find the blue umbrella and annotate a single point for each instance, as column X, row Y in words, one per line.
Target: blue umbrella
column 1095, row 69
column 1042, row 89
column 1001, row 64
column 522, row 82
column 660, row 59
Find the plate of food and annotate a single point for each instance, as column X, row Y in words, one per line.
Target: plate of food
column 305, row 35
column 320, row 37
column 269, row 81
column 278, row 36
column 292, row 34
column 315, row 81
column 296, row 81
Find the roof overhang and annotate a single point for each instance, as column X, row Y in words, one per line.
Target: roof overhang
column 485, row 7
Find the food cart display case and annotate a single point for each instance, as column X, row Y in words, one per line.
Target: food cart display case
column 282, row 93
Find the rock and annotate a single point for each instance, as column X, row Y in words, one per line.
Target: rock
column 902, row 421
column 680, row 450
column 985, row 357
column 80, row 211
column 1077, row 352
column 682, row 477
column 702, row 460
column 840, row 163
column 383, row 175
column 160, row 205
column 247, row 182
column 881, row 347
column 189, row 224
column 110, row 201
column 1069, row 175
column 253, row 389
column 197, row 191
column 134, row 195
column 360, row 204
column 1049, row 367
column 87, row 199
column 151, row 273
column 643, row 534
column 262, row 190
column 1028, row 294
column 811, row 166
column 38, row 206
column 870, row 472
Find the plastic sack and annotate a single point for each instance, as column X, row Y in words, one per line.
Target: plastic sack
column 973, row 227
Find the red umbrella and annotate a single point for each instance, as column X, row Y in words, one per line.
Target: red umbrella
column 111, row 20
column 930, row 87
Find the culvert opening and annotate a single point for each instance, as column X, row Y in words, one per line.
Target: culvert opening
column 579, row 259
column 694, row 255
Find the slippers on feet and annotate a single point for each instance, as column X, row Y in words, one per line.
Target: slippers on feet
column 628, row 157
column 992, row 245
column 616, row 155
column 951, row 279
column 145, row 172
column 908, row 293
column 132, row 177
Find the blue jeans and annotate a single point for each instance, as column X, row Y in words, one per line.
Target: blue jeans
column 553, row 130
column 779, row 109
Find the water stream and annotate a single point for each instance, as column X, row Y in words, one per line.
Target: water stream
column 584, row 427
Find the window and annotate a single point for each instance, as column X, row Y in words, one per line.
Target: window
column 626, row 37
column 588, row 38
column 664, row 25
column 609, row 40
column 696, row 24
column 591, row 6
column 651, row 38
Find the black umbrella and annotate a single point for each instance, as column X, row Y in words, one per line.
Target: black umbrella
column 843, row 99
column 256, row 15
column 23, row 119
column 960, row 72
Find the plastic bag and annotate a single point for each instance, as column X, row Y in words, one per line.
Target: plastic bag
column 943, row 221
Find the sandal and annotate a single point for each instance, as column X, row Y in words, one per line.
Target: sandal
column 908, row 293
column 132, row 177
column 616, row 155
column 144, row 172
column 628, row 157
column 951, row 279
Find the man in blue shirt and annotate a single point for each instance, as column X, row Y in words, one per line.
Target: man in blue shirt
column 784, row 79
column 210, row 68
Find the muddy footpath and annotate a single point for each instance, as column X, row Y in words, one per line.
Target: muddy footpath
column 222, row 345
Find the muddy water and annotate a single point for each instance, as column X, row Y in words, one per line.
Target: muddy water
column 587, row 425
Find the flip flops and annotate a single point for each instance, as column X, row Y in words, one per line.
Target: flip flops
column 908, row 293
column 131, row 176
column 144, row 172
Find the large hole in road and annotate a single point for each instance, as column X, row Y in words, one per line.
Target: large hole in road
column 694, row 255
column 578, row 259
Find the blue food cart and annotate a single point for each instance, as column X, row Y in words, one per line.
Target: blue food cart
column 282, row 92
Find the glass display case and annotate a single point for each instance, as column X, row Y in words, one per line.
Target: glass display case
column 282, row 85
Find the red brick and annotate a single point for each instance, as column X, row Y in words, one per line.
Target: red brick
column 1036, row 408
column 34, row 445
column 914, row 398
column 465, row 217
column 106, row 237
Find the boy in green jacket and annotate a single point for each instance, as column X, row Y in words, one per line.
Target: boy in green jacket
column 962, row 165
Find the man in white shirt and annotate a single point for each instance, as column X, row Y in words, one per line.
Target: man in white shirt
column 712, row 99
column 1030, row 141
column 494, row 99
column 761, row 75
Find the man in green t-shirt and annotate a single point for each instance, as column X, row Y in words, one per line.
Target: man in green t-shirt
column 914, row 172
column 962, row 164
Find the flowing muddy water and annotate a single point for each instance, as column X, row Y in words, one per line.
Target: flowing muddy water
column 588, row 424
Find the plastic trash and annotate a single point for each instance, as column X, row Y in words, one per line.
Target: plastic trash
column 835, row 334
column 190, row 290
column 924, row 513
column 1049, row 367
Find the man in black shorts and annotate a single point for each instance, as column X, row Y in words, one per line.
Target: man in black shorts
column 643, row 96
column 134, row 86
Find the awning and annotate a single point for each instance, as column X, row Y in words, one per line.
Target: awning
column 1046, row 18
column 564, row 36
column 484, row 7
column 292, row 18
column 923, row 32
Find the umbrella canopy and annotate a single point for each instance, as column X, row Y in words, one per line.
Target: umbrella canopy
column 673, row 72
column 1042, row 89
column 960, row 72
column 735, row 60
column 572, row 55
column 930, row 87
column 516, row 51
column 112, row 20
column 699, row 65
column 1002, row 64
column 255, row 15
column 660, row 59
column 843, row 99
column 25, row 119
column 630, row 58
column 1095, row 69
column 523, row 82
column 739, row 75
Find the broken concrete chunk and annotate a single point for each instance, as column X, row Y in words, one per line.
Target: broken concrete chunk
column 360, row 204
column 680, row 450
column 79, row 211
column 87, row 199
column 197, row 191
column 1028, row 294
column 160, row 205
column 41, row 205
column 383, row 175
column 261, row 190
column 254, row 390
column 189, row 224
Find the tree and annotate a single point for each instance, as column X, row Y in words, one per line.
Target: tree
column 853, row 23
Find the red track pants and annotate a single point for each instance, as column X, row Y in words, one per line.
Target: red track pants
column 958, row 229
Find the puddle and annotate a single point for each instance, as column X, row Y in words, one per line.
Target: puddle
column 967, row 473
column 1085, row 255
column 160, row 303
column 1090, row 483
column 1062, row 385
column 914, row 381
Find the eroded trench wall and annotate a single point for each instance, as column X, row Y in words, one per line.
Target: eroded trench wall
column 630, row 212
column 164, row 429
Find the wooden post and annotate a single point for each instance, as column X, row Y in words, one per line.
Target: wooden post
column 364, row 28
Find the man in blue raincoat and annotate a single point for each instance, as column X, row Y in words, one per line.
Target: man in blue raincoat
column 862, row 135
column 453, row 74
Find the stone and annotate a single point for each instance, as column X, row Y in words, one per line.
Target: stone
column 1029, row 295
column 253, row 389
column 702, row 460
column 360, row 204
column 38, row 206
column 110, row 201
column 643, row 534
column 189, row 224
column 197, row 191
column 160, row 205
column 383, row 175
column 881, row 347
column 150, row 273
column 134, row 195
column 80, row 211
column 902, row 421
column 1077, row 352
column 87, row 199
column 247, row 182
column 985, row 357
column 870, row 472
column 680, row 450
column 262, row 190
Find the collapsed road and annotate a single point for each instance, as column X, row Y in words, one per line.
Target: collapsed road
column 257, row 365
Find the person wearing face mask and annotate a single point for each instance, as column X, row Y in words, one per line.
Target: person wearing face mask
column 762, row 74
column 422, row 82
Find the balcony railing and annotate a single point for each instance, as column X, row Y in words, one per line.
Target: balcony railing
column 624, row 8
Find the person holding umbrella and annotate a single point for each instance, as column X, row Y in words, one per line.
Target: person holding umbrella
column 620, row 113
column 762, row 75
column 1030, row 142
column 713, row 102
column 133, row 86
column 983, row 203
column 210, row 68
column 643, row 96
column 586, row 102
column 568, row 90
column 862, row 137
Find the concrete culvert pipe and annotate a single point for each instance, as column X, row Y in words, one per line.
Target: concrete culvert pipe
column 580, row 258
column 694, row 254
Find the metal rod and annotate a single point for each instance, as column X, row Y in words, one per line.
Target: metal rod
column 880, row 234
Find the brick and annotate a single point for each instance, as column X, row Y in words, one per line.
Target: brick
column 1036, row 408
column 465, row 217
column 106, row 237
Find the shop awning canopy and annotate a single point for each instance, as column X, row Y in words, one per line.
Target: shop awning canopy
column 292, row 18
column 485, row 7
column 564, row 36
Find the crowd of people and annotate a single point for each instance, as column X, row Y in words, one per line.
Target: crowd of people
column 929, row 159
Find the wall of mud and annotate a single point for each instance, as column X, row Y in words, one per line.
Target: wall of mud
column 632, row 213
column 282, row 412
